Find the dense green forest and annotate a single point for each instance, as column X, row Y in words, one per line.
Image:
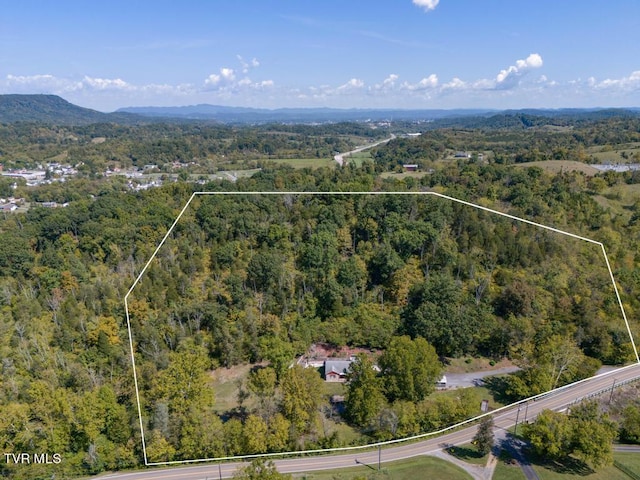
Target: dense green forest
column 516, row 139
column 202, row 148
column 256, row 279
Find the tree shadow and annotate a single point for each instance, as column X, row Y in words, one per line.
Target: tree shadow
column 464, row 453
column 498, row 386
column 563, row 466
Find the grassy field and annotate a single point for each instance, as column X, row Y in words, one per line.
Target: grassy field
column 416, row 468
column 304, row 162
column 629, row 460
column 468, row 453
column 555, row 166
column 480, row 393
column 358, row 158
column 609, row 154
column 334, row 388
column 226, row 383
column 619, row 199
column 577, row 470
column 507, row 469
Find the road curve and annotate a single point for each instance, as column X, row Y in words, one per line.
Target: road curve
column 558, row 399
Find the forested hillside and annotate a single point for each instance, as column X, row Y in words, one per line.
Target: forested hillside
column 253, row 280
column 99, row 147
column 54, row 110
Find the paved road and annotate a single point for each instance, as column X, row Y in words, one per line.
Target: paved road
column 506, row 441
column 340, row 157
column 475, row 379
column 556, row 400
column 627, row 448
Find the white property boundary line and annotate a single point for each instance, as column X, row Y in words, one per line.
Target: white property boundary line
column 389, row 442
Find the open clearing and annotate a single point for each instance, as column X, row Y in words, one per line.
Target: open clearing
column 619, row 199
column 557, row 166
column 225, row 383
column 610, row 154
column 358, row 158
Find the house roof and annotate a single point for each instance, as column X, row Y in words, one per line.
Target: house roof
column 337, row 366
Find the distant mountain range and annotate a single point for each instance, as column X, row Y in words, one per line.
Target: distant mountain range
column 52, row 109
column 297, row 115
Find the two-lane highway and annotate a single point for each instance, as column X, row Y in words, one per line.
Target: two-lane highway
column 341, row 156
column 557, row 400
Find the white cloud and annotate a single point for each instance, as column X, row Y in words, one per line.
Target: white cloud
column 224, row 78
column 455, row 84
column 426, row 83
column 630, row 83
column 248, row 65
column 41, row 83
column 390, row 80
column 428, row 5
column 353, row 84
column 509, row 77
column 388, row 83
column 106, row 83
column 231, row 86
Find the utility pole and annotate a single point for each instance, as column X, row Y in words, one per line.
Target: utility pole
column 379, row 455
column 515, row 430
column 612, row 387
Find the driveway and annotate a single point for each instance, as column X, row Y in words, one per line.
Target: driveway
column 475, row 379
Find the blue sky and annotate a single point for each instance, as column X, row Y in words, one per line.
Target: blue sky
column 330, row 53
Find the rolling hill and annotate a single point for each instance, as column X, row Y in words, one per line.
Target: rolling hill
column 53, row 109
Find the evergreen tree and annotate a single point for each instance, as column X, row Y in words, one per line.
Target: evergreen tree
column 483, row 439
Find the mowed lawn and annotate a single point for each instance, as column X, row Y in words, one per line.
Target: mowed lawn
column 560, row 472
column 415, row 468
column 630, row 460
column 508, row 471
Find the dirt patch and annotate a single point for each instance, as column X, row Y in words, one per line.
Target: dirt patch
column 319, row 352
